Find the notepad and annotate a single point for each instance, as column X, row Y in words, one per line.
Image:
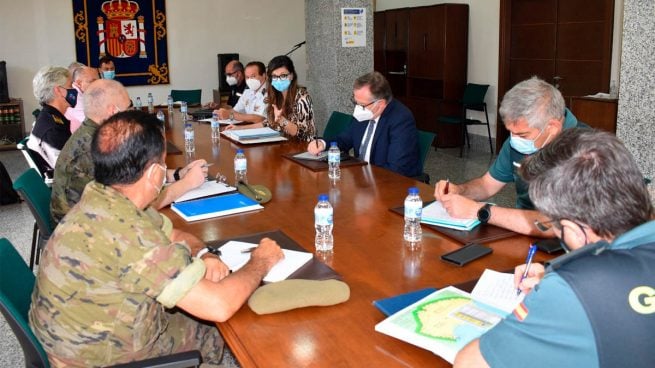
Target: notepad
column 252, row 136
column 497, row 289
column 435, row 214
column 223, row 205
column 209, row 188
column 232, row 256
column 308, row 156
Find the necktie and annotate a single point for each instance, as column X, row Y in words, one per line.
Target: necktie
column 367, row 140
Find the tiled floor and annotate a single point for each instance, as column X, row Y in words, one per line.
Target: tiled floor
column 16, row 220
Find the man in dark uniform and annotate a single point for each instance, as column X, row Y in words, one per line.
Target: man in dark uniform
column 236, row 80
column 595, row 306
column 53, row 89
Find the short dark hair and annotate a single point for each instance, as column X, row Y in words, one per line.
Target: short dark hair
column 377, row 83
column 261, row 68
column 104, row 60
column 588, row 176
column 125, row 145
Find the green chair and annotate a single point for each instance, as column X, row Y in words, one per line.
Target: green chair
column 338, row 123
column 425, row 140
column 191, row 96
column 36, row 194
column 473, row 99
column 16, row 285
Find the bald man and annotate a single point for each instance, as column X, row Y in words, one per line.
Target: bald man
column 83, row 76
column 236, row 79
column 74, row 168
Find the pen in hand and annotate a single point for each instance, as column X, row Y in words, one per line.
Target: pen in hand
column 248, row 250
column 528, row 262
column 445, row 190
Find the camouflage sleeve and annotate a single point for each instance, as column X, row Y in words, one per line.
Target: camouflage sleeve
column 161, row 221
column 182, row 284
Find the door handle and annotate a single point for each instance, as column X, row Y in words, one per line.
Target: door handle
column 425, row 42
column 556, row 80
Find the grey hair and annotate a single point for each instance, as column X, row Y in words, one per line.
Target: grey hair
column 588, row 176
column 98, row 96
column 534, row 100
column 45, row 81
column 72, row 67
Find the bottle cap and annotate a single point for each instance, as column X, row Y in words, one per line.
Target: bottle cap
column 239, row 150
column 333, row 144
column 412, row 190
column 323, row 197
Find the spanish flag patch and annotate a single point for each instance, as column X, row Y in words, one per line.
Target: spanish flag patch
column 520, row 312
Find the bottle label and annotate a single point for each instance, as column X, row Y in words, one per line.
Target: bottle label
column 214, row 123
column 323, row 216
column 240, row 164
column 188, row 134
column 334, row 157
column 413, row 209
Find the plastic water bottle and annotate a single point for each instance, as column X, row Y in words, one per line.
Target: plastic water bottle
column 183, row 110
column 162, row 118
column 216, row 130
column 240, row 167
column 169, row 100
column 334, row 159
column 151, row 104
column 413, row 210
column 138, row 104
column 323, row 223
column 189, row 138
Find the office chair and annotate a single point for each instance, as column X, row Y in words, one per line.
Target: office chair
column 16, row 285
column 192, row 97
column 337, row 123
column 473, row 99
column 425, row 140
column 36, row 194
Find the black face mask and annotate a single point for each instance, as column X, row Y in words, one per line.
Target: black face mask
column 71, row 96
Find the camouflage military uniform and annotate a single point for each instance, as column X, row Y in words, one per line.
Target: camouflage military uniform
column 74, row 170
column 105, row 279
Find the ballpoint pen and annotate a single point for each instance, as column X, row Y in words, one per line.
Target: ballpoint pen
column 248, row 250
column 528, row 262
column 445, row 190
column 207, row 165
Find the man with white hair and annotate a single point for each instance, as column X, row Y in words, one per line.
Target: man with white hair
column 534, row 113
column 52, row 88
column 82, row 77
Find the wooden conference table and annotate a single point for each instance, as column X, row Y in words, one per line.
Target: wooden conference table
column 369, row 254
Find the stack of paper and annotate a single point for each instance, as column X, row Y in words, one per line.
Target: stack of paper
column 322, row 156
column 257, row 135
column 204, row 208
column 222, row 121
column 447, row 320
column 209, row 188
column 236, row 254
column 435, row 214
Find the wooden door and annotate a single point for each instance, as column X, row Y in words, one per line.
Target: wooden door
column 566, row 42
column 379, row 34
column 395, row 54
column 425, row 47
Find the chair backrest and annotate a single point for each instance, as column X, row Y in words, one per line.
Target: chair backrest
column 34, row 160
column 425, row 140
column 474, row 96
column 190, row 96
column 337, row 123
column 33, row 190
column 16, row 285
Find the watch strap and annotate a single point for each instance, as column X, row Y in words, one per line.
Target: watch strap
column 176, row 174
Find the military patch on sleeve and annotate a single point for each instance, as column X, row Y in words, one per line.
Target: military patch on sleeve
column 57, row 120
column 521, row 312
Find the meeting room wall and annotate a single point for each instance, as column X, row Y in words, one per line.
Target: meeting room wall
column 34, row 33
column 483, row 46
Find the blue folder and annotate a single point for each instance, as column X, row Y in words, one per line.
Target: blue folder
column 391, row 305
column 210, row 207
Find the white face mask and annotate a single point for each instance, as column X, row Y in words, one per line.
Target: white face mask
column 231, row 80
column 253, row 83
column 163, row 180
column 362, row 113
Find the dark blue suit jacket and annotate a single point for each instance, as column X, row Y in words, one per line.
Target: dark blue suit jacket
column 395, row 143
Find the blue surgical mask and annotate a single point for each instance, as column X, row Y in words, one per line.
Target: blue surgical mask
column 108, row 74
column 281, row 85
column 524, row 145
column 71, row 96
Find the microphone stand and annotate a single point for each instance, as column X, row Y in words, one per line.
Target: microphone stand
column 295, row 47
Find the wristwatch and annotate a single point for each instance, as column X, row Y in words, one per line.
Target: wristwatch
column 231, row 115
column 176, row 174
column 484, row 213
column 205, row 250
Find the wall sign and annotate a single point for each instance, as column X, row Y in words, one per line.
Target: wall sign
column 353, row 27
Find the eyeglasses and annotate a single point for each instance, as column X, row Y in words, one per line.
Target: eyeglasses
column 366, row 105
column 546, row 225
column 281, row 77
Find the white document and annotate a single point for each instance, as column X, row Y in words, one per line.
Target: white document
column 308, row 156
column 232, row 256
column 209, row 188
column 253, row 136
column 222, row 121
column 497, row 289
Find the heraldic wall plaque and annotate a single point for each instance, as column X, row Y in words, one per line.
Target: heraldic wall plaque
column 131, row 32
